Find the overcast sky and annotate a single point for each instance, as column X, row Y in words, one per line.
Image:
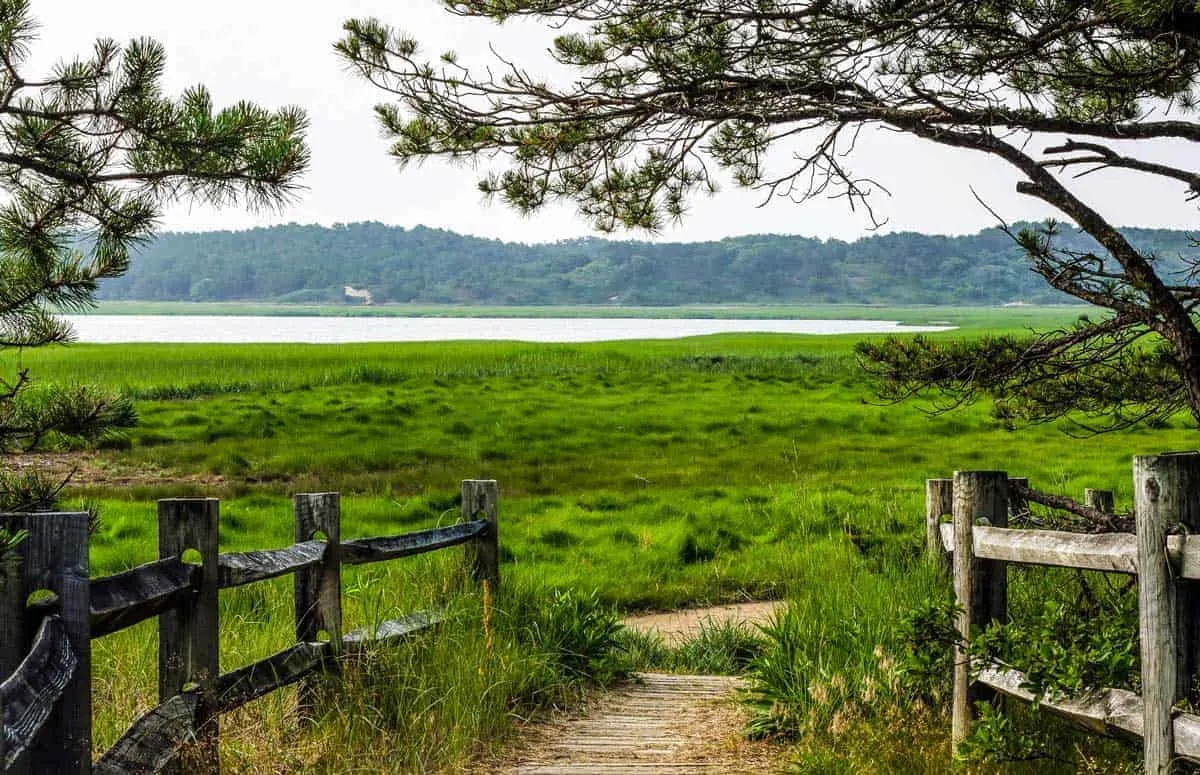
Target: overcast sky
column 279, row 52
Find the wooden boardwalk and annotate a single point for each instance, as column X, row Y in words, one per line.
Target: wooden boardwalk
column 668, row 724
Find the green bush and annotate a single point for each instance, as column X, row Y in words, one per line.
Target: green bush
column 720, row 648
column 577, row 632
column 926, row 658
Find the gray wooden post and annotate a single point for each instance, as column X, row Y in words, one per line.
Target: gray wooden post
column 318, row 590
column 55, row 558
column 1101, row 500
column 480, row 500
column 980, row 586
column 939, row 501
column 1166, row 492
column 188, row 645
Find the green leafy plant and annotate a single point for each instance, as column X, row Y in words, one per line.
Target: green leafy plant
column 1069, row 634
column 926, row 653
column 577, row 631
column 10, row 540
column 998, row 737
column 1078, row 638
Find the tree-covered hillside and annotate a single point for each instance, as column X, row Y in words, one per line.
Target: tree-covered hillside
column 315, row 264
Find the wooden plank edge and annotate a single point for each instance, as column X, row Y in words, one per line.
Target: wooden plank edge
column 28, row 696
column 1104, row 711
column 1106, row 552
column 152, row 741
column 236, row 569
column 122, row 600
column 367, row 550
column 393, row 630
column 286, row 667
column 1184, row 551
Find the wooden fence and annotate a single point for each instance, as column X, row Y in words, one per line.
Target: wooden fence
column 1163, row 553
column 50, row 611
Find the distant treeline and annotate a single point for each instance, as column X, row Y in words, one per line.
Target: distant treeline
column 312, row 264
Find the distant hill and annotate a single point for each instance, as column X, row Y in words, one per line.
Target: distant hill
column 318, row 264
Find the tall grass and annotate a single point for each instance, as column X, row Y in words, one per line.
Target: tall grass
column 444, row 698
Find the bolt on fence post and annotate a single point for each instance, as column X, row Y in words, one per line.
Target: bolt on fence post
column 318, row 590
column 188, row 643
column 480, row 500
column 1166, row 492
column 980, row 586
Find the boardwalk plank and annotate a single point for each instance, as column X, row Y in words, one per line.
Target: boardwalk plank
column 655, row 725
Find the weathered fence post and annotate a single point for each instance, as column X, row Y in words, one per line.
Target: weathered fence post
column 12, row 622
column 318, row 589
column 939, row 501
column 480, row 500
column 1101, row 500
column 54, row 557
column 188, row 653
column 1166, row 492
column 980, row 586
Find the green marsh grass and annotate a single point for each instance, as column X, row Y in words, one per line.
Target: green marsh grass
column 655, row 474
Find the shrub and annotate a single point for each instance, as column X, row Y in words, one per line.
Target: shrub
column 704, row 546
column 577, row 632
column 720, row 648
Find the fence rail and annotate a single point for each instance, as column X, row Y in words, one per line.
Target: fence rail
column 1160, row 553
column 27, row 697
column 1106, row 552
column 45, row 696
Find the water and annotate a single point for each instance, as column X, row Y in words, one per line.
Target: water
column 245, row 329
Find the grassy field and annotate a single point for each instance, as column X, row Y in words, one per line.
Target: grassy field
column 657, row 474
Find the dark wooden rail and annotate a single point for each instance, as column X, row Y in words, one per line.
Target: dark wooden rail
column 367, row 550
column 56, row 663
column 249, row 567
column 153, row 740
column 123, row 600
column 28, row 696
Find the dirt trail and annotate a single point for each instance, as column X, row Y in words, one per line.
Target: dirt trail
column 93, row 469
column 677, row 626
column 657, row 723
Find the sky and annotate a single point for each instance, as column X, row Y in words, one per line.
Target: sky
column 278, row 52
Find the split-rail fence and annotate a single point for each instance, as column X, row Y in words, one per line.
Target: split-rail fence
column 50, row 610
column 1163, row 553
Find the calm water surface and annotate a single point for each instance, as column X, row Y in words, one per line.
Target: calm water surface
column 245, row 329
